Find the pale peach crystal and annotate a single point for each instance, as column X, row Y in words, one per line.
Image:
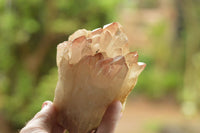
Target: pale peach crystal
column 95, row 68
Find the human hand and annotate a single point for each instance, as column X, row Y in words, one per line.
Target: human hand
column 45, row 120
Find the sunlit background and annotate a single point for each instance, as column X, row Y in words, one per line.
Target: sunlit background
column 166, row 34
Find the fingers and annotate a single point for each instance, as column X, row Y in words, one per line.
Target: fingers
column 47, row 111
column 110, row 118
column 44, row 121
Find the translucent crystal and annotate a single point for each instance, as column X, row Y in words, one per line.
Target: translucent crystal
column 95, row 68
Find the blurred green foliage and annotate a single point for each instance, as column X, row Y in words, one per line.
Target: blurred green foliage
column 173, row 63
column 161, row 77
column 148, row 3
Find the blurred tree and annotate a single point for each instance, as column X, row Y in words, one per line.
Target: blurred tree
column 163, row 75
column 191, row 42
column 29, row 33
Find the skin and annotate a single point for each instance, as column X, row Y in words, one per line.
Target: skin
column 45, row 120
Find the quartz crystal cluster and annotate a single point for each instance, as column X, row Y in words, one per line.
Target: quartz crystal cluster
column 95, row 68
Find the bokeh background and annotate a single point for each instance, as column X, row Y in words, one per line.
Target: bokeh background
column 166, row 34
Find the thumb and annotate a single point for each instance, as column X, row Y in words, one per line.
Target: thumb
column 110, row 118
column 47, row 113
column 43, row 120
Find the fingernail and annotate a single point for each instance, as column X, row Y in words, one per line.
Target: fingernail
column 94, row 131
column 44, row 105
